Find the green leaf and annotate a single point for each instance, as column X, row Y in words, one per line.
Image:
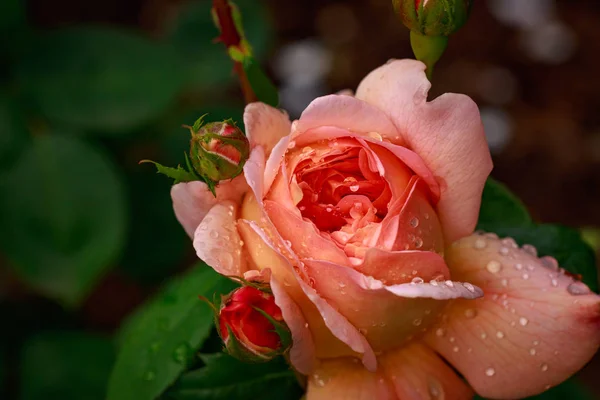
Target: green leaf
column 63, row 214
column 563, row 243
column 225, row 378
column 159, row 341
column 100, row 78
column 65, row 365
column 499, row 207
column 262, row 86
column 15, row 135
column 179, row 174
column 207, row 64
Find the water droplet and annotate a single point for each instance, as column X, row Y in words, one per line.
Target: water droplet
column 307, row 149
column 149, row 375
column 452, row 339
column 354, row 188
column 450, row 284
column 214, row 234
column 483, row 335
column 319, row 380
column 536, row 342
column 417, row 322
column 418, row 242
column 417, row 280
column 493, row 267
column 500, row 335
column 329, row 209
column 182, row 353
column 455, row 349
column 503, row 251
column 549, row 262
column 480, row 243
column 241, row 242
column 578, row 288
column 376, row 136
column 544, row 367
column 469, row 287
column 525, row 276
column 509, row 242
column 554, row 282
column 433, row 282
column 306, row 325
column 470, row 313
column 439, row 332
column 414, row 222
column 490, row 372
column 292, row 144
column 504, row 282
column 435, row 389
column 532, row 351
column 523, row 321
column 529, row 249
column 518, row 267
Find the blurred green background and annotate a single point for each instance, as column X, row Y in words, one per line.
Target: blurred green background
column 90, row 88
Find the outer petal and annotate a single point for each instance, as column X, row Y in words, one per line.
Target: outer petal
column 192, row 200
column 217, row 241
column 348, row 113
column 533, row 329
column 412, row 372
column 265, row 125
column 447, row 133
column 386, row 315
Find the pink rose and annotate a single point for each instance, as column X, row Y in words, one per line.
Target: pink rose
column 362, row 211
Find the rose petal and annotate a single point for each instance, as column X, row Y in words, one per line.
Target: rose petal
column 348, row 113
column 254, row 171
column 302, row 353
column 412, row 372
column 265, row 125
column 192, row 200
column 386, row 315
column 217, row 241
column 304, row 237
column 333, row 335
column 446, row 133
column 531, row 331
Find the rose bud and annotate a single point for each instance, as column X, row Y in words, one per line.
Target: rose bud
column 252, row 326
column 218, row 151
column 433, row 17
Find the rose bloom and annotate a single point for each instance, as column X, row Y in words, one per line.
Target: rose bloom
column 363, row 211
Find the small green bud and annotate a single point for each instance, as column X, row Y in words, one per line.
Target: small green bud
column 218, row 151
column 433, row 17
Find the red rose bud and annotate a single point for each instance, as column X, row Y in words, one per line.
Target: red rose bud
column 433, row 17
column 218, row 150
column 252, row 326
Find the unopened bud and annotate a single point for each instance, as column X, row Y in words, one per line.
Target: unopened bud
column 251, row 324
column 433, row 17
column 218, row 150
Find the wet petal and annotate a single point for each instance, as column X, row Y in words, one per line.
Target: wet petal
column 412, row 372
column 217, row 241
column 386, row 315
column 254, row 171
column 192, row 200
column 348, row 113
column 534, row 328
column 265, row 125
column 446, row 133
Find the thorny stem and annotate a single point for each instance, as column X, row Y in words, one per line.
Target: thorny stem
column 230, row 37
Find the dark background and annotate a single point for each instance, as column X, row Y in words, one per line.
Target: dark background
column 78, row 263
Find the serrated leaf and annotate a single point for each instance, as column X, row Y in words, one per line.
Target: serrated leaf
column 499, row 207
column 226, row 378
column 100, row 78
column 66, row 365
column 178, row 174
column 159, row 341
column 262, row 86
column 63, row 213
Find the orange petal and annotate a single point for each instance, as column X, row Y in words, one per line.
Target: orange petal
column 534, row 328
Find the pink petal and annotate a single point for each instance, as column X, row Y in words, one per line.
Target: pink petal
column 192, row 200
column 302, row 353
column 254, row 169
column 265, row 125
column 402, row 266
column 534, row 328
column 217, row 241
column 446, row 133
column 333, row 335
column 386, row 315
column 412, row 372
column 348, row 113
column 303, row 236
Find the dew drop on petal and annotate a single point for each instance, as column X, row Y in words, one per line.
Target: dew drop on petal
column 544, row 367
column 414, row 222
column 532, row 351
column 549, row 262
column 470, row 313
column 529, row 249
column 503, row 251
column 417, row 322
column 417, row 280
column 292, row 144
column 578, row 288
column 354, row 188
column 518, row 267
column 455, row 349
column 493, row 267
column 439, row 332
column 500, row 335
column 214, row 234
column 480, row 243
column 490, row 372
column 450, row 284
column 418, row 242
column 469, row 287
column 523, row 321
